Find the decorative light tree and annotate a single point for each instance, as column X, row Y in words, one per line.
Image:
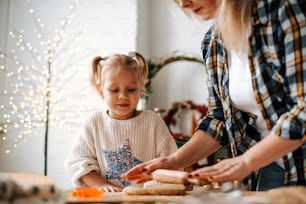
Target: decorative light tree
column 35, row 96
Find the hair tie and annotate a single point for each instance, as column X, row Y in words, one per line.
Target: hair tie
column 132, row 55
column 100, row 64
column 98, row 81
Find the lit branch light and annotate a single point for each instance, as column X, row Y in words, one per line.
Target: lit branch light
column 38, row 73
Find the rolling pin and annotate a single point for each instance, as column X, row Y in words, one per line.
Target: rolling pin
column 174, row 176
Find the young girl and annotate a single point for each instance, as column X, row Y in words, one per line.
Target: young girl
column 113, row 141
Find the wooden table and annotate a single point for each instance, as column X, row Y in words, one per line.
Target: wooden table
column 283, row 195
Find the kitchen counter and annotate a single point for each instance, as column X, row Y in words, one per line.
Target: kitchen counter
column 31, row 188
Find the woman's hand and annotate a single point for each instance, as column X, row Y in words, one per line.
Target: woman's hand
column 226, row 170
column 139, row 173
column 109, row 188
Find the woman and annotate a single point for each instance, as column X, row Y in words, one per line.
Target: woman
column 255, row 58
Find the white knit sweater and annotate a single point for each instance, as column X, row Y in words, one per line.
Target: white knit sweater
column 111, row 147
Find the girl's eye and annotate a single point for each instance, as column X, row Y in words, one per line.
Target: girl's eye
column 114, row 90
column 131, row 90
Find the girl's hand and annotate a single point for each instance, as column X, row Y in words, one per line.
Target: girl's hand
column 109, row 188
column 92, row 179
column 226, row 170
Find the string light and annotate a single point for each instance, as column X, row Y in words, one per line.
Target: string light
column 34, row 96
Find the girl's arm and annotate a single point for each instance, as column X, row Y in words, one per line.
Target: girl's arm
column 93, row 180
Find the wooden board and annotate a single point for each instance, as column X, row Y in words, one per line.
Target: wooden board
column 120, row 197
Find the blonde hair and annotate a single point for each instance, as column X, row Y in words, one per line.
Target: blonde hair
column 233, row 23
column 134, row 61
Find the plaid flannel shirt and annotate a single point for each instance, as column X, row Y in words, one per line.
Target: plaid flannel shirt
column 277, row 59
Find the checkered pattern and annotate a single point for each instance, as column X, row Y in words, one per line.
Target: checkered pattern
column 277, row 61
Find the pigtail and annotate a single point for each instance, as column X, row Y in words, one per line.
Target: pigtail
column 95, row 78
column 142, row 67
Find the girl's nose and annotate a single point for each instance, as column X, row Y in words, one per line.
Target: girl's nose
column 122, row 95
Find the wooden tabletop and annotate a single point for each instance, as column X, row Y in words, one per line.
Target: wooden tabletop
column 121, row 198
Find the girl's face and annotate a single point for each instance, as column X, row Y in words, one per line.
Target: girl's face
column 121, row 92
column 205, row 9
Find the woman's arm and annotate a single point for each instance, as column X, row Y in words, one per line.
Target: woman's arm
column 263, row 153
column 268, row 150
column 199, row 146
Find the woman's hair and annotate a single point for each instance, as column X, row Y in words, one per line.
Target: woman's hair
column 133, row 61
column 233, row 23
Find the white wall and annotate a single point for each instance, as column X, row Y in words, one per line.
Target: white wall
column 172, row 30
column 143, row 39
column 152, row 27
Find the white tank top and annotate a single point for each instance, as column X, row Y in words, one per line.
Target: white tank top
column 241, row 91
